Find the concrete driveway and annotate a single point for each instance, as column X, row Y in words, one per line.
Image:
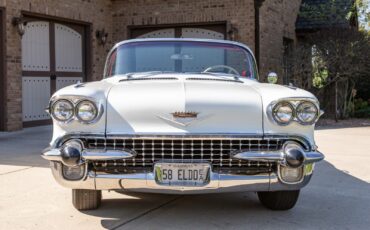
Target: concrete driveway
column 338, row 196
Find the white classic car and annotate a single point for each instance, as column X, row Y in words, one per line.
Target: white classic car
column 183, row 116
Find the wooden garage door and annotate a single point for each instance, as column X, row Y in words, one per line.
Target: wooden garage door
column 52, row 58
column 213, row 31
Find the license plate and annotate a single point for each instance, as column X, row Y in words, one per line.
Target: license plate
column 182, row 174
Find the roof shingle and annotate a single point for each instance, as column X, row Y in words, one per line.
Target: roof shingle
column 321, row 14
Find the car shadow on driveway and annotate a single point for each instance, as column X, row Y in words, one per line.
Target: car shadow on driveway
column 333, row 199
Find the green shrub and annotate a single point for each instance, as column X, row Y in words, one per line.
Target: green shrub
column 363, row 113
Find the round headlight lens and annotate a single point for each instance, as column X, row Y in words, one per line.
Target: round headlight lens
column 283, row 112
column 62, row 110
column 86, row 111
column 307, row 112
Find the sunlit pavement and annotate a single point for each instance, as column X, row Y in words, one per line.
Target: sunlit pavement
column 338, row 196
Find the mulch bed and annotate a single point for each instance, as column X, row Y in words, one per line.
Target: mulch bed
column 355, row 122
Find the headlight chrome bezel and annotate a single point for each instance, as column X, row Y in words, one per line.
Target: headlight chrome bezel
column 276, row 107
column 54, row 104
column 295, row 103
column 77, row 111
column 317, row 112
column 75, row 101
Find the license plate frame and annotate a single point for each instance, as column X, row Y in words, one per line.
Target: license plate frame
column 183, row 174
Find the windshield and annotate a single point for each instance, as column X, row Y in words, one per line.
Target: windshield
column 181, row 57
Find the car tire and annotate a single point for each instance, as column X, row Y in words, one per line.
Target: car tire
column 279, row 200
column 84, row 199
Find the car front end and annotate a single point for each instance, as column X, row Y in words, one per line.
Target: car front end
column 183, row 132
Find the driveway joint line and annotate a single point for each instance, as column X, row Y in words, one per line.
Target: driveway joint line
column 18, row 170
column 145, row 213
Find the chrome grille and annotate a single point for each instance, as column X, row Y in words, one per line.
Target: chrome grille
column 215, row 151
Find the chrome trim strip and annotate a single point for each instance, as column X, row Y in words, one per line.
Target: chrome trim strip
column 90, row 155
column 310, row 157
column 259, row 156
column 98, row 155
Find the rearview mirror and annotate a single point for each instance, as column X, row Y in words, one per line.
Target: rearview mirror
column 272, row 78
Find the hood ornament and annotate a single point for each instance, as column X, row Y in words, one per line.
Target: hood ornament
column 184, row 115
column 183, row 118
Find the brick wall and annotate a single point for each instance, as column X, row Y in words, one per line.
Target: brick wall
column 238, row 13
column 96, row 12
column 277, row 20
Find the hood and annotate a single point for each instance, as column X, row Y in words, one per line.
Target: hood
column 184, row 104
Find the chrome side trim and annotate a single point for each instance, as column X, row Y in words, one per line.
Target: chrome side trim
column 98, row 155
column 310, row 157
column 93, row 155
column 260, row 156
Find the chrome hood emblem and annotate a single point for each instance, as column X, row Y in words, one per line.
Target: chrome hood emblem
column 183, row 118
column 184, row 115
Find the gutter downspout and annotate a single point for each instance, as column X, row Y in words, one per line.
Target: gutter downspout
column 257, row 6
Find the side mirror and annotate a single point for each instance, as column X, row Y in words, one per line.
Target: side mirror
column 272, row 78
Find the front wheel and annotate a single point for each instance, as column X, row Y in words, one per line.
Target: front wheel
column 84, row 199
column 279, row 200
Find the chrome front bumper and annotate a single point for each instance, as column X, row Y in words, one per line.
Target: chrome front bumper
column 145, row 182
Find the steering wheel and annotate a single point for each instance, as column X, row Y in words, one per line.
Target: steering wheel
column 231, row 69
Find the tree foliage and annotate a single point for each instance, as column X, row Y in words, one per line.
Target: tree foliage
column 333, row 60
column 331, row 57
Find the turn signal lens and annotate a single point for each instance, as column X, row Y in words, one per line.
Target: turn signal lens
column 73, row 172
column 86, row 111
column 283, row 113
column 307, row 112
column 62, row 110
column 291, row 175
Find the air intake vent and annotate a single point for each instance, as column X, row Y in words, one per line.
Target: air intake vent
column 149, row 79
column 212, row 79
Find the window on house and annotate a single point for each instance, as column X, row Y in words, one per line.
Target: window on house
column 287, row 60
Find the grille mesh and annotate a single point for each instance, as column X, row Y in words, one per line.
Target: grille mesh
column 215, row 151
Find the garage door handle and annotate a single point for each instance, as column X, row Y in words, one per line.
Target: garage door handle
column 53, row 77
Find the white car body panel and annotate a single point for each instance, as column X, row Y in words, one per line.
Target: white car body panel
column 146, row 106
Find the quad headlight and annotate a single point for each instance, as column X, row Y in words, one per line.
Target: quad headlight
column 307, row 112
column 62, row 110
column 68, row 109
column 283, row 112
column 86, row 111
column 303, row 111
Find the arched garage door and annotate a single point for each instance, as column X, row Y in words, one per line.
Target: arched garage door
column 52, row 58
column 217, row 31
